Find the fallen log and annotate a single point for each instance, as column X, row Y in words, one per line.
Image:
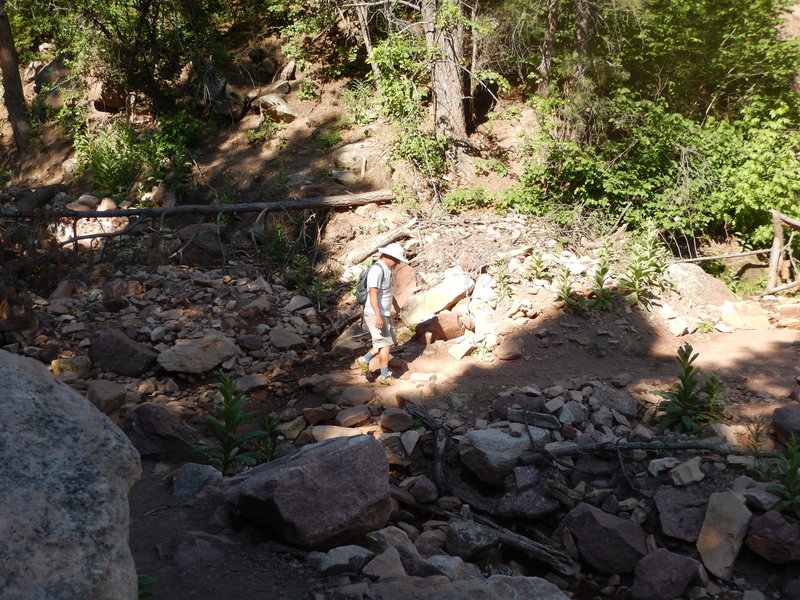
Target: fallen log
column 559, row 560
column 614, row 447
column 341, row 201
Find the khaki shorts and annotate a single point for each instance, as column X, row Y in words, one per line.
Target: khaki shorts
column 381, row 337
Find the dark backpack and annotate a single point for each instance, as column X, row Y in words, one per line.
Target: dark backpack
column 362, row 291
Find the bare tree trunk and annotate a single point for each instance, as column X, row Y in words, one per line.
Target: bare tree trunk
column 363, row 23
column 548, row 48
column 12, row 83
column 447, row 79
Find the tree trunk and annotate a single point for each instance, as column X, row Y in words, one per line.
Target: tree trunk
column 12, row 83
column 447, row 79
column 548, row 48
column 363, row 23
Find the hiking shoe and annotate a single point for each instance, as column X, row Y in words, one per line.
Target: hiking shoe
column 385, row 380
column 363, row 365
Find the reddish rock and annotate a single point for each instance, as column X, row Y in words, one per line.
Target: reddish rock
column 680, row 512
column 114, row 351
column 156, row 430
column 444, row 326
column 774, row 538
column 325, row 495
column 663, row 575
column 608, row 543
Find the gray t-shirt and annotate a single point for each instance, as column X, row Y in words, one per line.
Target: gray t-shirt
column 380, row 276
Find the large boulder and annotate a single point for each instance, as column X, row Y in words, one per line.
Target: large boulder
column 114, row 351
column 444, row 295
column 64, row 482
column 680, row 512
column 325, row 495
column 198, row 355
column 608, row 543
column 786, row 422
column 692, row 282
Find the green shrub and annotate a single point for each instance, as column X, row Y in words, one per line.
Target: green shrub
column 425, row 151
column 462, row 199
column 788, row 486
column 690, row 404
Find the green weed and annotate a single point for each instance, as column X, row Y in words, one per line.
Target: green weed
column 536, row 266
column 645, row 270
column 601, row 295
column 503, row 290
column 788, row 486
column 233, row 449
column 690, row 404
column 572, row 301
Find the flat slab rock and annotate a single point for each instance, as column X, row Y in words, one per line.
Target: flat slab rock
column 496, row 587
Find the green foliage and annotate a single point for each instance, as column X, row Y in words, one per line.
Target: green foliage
column 265, row 131
column 690, row 404
column 425, row 151
column 461, row 199
column 572, row 301
column 233, row 448
column 601, row 295
column 328, row 138
column 503, row 290
column 358, row 98
column 117, row 154
column 308, row 90
column 274, row 245
column 788, row 486
column 644, row 274
column 144, row 583
column 536, row 266
column 488, row 165
column 404, row 64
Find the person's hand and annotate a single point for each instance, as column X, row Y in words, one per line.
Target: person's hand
column 379, row 321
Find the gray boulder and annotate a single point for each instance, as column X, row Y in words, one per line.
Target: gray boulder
column 198, row 355
column 691, row 281
column 325, row 495
column 64, row 482
column 469, row 540
column 491, row 453
column 608, row 543
column 615, row 399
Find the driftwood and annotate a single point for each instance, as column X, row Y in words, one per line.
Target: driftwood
column 202, row 209
column 355, row 258
column 779, row 221
column 614, row 447
column 558, row 559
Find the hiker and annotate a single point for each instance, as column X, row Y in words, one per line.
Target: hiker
column 377, row 310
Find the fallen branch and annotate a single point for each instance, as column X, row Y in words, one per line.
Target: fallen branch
column 721, row 256
column 558, row 559
column 193, row 209
column 614, row 447
column 355, row 258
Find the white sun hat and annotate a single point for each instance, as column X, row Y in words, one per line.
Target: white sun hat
column 395, row 251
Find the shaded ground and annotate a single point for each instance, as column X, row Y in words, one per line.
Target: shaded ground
column 758, row 369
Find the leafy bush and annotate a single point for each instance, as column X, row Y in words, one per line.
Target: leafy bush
column 462, row 199
column 691, row 403
column 425, row 151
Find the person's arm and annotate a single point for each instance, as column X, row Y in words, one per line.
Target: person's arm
column 396, row 307
column 373, row 300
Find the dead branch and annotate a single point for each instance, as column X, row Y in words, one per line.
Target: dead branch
column 440, row 437
column 614, row 447
column 721, row 256
column 779, row 221
column 543, row 551
column 355, row 258
column 345, row 200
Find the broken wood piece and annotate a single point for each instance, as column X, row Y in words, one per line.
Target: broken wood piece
column 533, row 418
